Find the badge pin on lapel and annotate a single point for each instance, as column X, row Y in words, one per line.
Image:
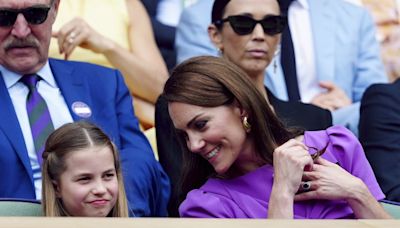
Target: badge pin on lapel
column 81, row 109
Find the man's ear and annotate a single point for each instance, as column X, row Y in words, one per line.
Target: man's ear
column 56, row 187
column 56, row 5
column 215, row 37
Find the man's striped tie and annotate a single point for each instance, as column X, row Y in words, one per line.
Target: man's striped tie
column 38, row 113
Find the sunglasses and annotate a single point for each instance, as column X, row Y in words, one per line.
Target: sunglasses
column 34, row 15
column 244, row 25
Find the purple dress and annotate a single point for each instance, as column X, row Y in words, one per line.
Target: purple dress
column 247, row 196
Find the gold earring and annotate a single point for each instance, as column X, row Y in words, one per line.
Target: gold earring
column 246, row 124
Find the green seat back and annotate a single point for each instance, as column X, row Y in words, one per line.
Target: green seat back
column 392, row 209
column 20, row 207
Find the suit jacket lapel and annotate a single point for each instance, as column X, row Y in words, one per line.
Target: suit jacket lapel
column 322, row 18
column 71, row 84
column 9, row 124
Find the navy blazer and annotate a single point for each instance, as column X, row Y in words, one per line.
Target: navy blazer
column 104, row 91
column 379, row 130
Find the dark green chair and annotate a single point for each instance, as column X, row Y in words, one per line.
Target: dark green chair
column 393, row 208
column 20, row 207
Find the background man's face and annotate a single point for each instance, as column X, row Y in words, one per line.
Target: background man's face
column 23, row 46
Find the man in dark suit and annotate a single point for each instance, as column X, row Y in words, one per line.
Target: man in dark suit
column 72, row 91
column 379, row 130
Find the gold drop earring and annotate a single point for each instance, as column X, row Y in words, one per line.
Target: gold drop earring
column 246, row 124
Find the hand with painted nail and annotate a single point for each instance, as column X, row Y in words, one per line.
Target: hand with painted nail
column 330, row 181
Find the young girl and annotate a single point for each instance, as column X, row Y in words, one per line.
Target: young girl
column 81, row 174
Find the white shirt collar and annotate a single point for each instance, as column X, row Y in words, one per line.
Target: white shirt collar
column 11, row 78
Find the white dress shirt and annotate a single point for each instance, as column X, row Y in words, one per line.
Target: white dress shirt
column 58, row 109
column 302, row 37
column 169, row 12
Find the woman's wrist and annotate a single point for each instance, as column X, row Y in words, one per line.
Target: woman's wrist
column 284, row 187
column 364, row 204
column 282, row 193
column 280, row 203
column 108, row 46
column 358, row 192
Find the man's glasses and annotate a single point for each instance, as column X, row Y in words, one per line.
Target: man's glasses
column 244, row 25
column 34, row 15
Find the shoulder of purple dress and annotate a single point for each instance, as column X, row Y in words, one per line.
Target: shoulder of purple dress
column 343, row 140
column 340, row 133
column 332, row 135
column 203, row 203
column 340, row 142
column 213, row 185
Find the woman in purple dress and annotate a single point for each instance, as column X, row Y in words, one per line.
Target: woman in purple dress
column 241, row 162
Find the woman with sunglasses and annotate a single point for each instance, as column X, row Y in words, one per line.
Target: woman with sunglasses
column 241, row 162
column 248, row 35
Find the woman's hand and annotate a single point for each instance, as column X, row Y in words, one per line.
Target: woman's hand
column 333, row 99
column 290, row 160
column 78, row 33
column 330, row 181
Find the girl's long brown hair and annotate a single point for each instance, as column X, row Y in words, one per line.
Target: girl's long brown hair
column 67, row 139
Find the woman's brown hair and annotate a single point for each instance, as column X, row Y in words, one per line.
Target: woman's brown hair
column 210, row 82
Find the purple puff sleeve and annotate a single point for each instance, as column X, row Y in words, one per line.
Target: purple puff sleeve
column 345, row 150
column 350, row 155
